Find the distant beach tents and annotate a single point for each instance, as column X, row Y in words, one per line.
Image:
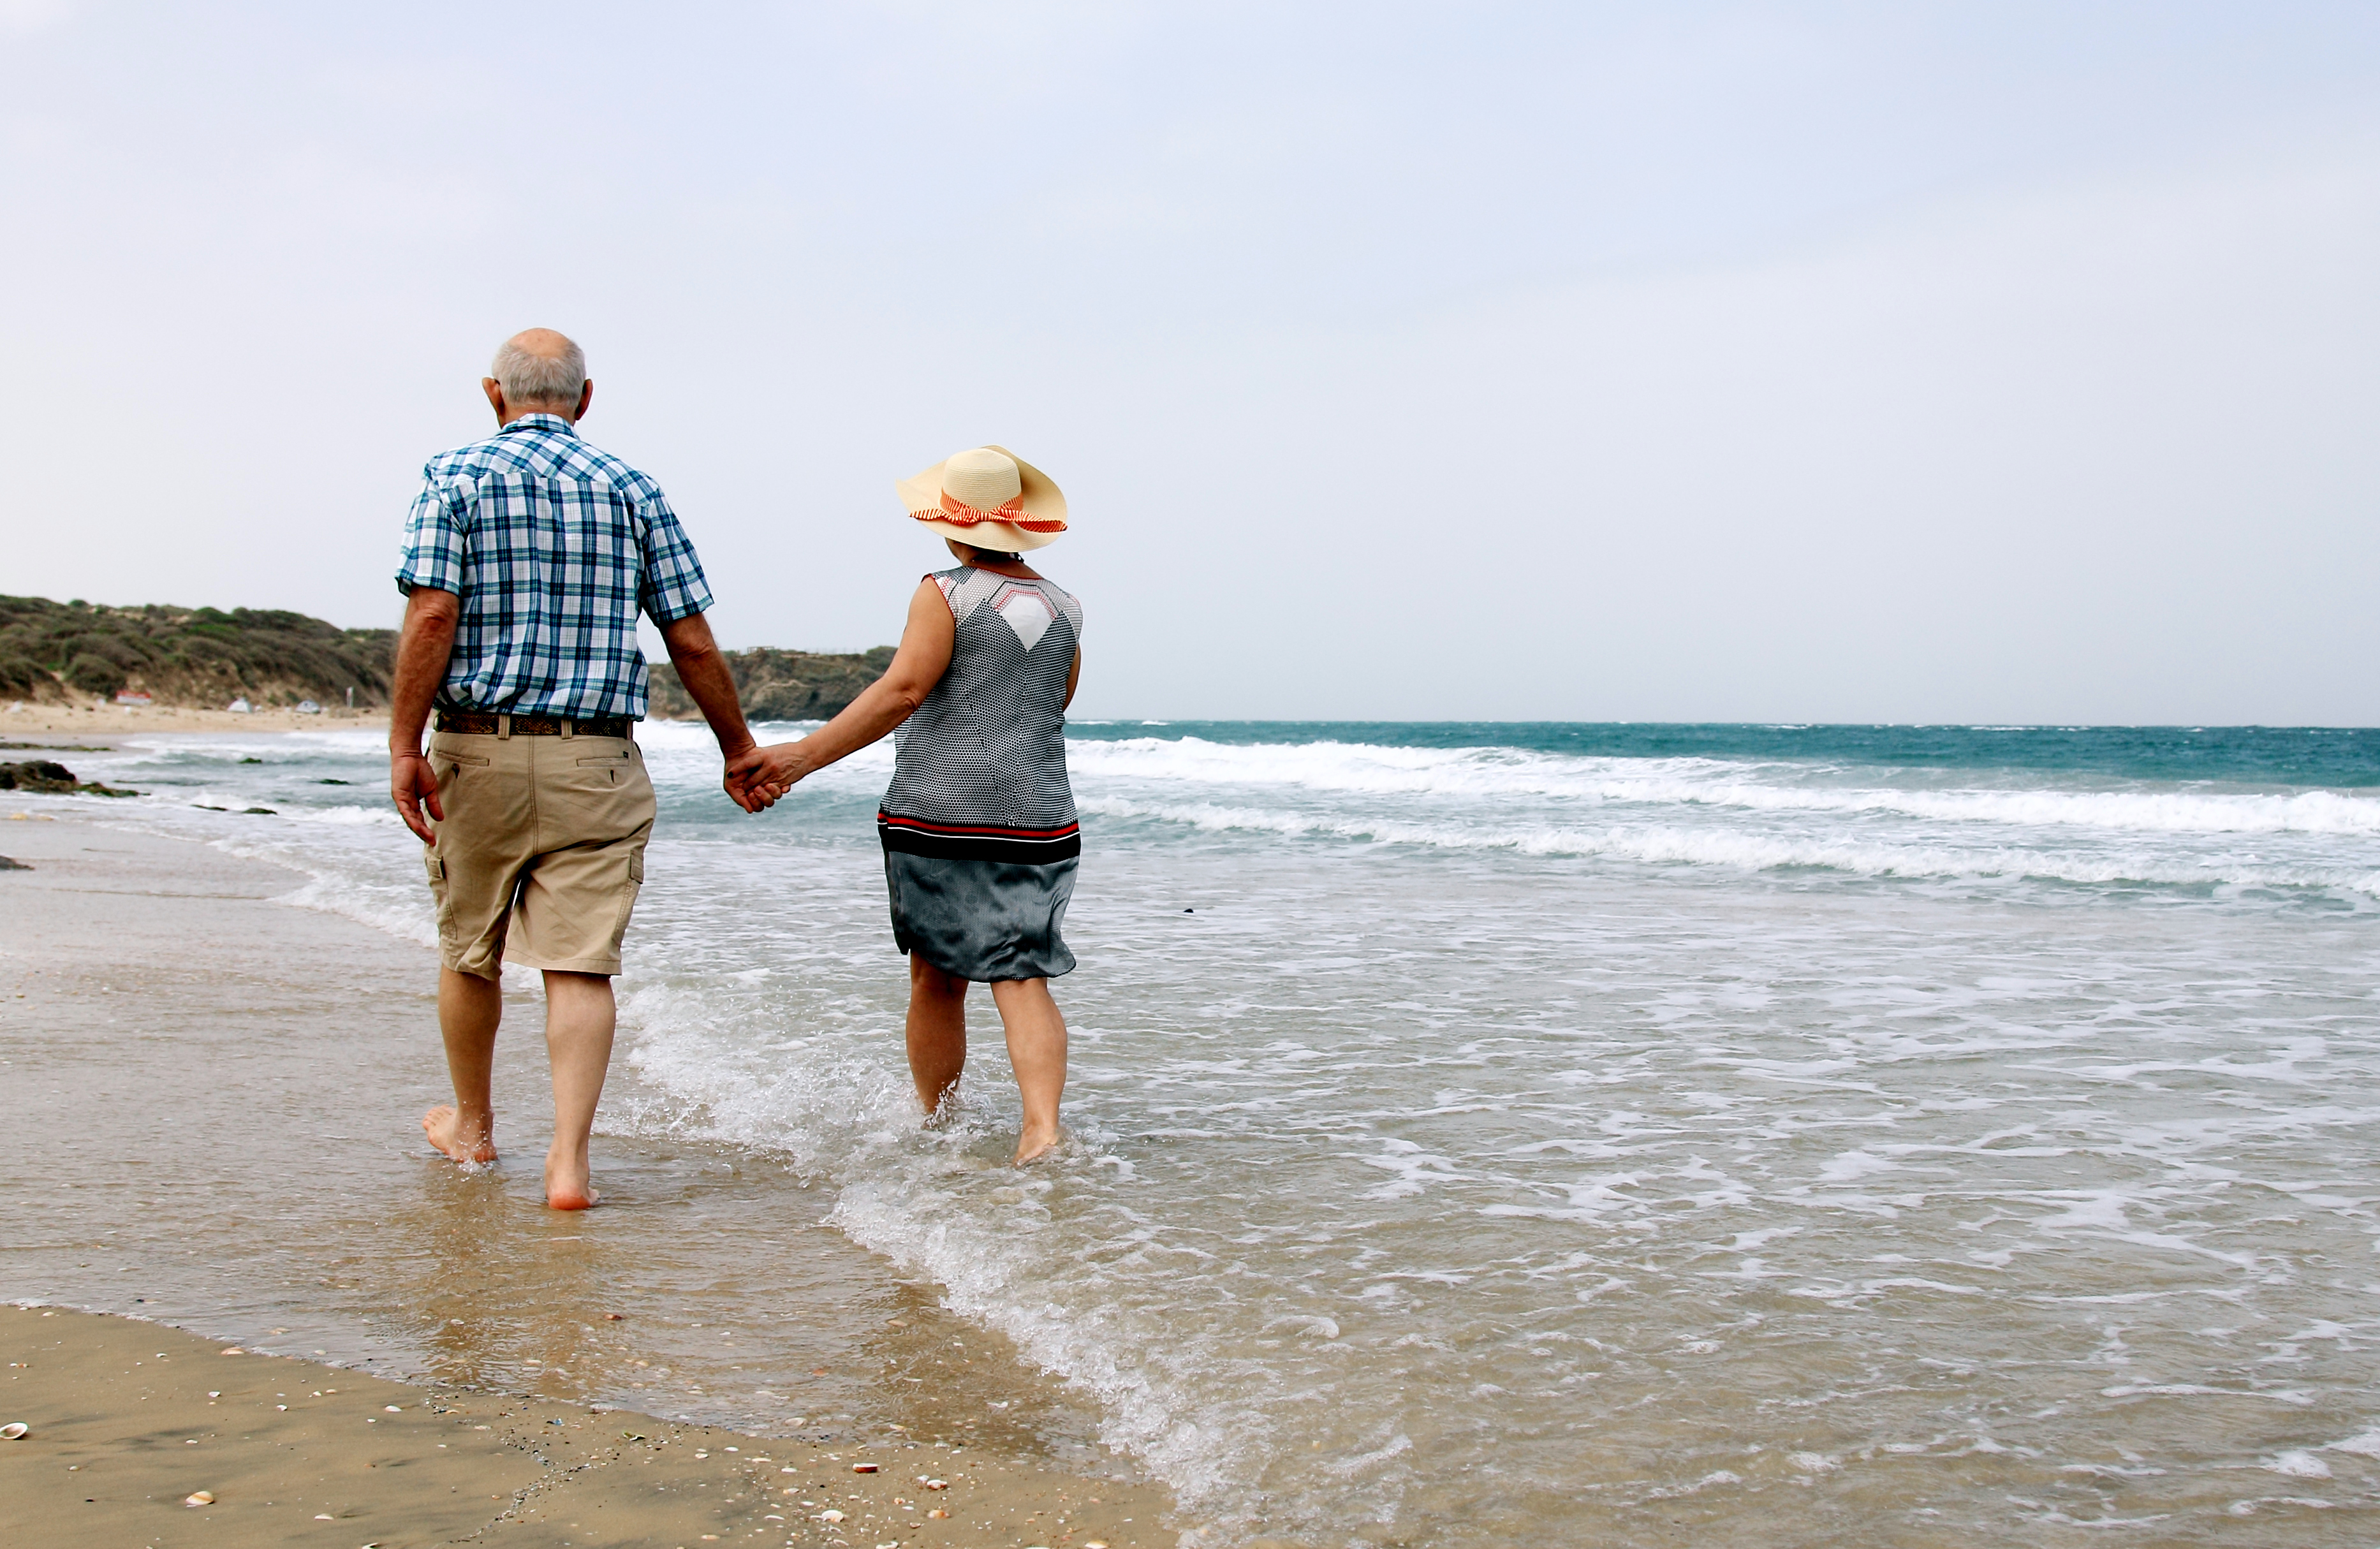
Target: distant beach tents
column 239, row 705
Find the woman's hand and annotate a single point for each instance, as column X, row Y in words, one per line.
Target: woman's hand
column 765, row 774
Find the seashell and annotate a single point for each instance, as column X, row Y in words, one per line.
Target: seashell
column 829, row 1516
column 234, row 1351
column 938, row 1511
column 938, row 1484
column 200, row 1497
column 17, row 1432
column 863, row 1468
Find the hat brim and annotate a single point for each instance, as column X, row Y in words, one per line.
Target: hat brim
column 1038, row 493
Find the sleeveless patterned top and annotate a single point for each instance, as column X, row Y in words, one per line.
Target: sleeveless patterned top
column 979, row 772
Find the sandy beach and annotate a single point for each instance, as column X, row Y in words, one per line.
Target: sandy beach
column 24, row 717
column 143, row 1433
column 227, row 1085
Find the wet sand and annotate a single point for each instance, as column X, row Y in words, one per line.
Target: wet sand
column 128, row 1422
column 224, row 1090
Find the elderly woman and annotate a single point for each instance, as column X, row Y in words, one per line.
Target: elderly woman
column 978, row 823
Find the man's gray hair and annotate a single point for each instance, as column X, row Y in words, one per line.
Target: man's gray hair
column 548, row 380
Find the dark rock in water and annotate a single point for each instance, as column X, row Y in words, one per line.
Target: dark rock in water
column 334, row 783
column 8, row 865
column 258, row 812
column 48, row 776
column 36, row 774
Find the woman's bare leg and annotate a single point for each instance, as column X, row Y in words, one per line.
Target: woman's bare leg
column 937, row 1030
column 1037, row 1048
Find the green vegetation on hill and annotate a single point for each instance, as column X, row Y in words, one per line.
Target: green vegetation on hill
column 65, row 652
column 205, row 656
column 778, row 685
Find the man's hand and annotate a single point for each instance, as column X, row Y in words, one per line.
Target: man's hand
column 422, row 648
column 413, row 787
column 741, row 781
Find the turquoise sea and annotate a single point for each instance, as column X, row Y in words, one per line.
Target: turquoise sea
column 1575, row 1133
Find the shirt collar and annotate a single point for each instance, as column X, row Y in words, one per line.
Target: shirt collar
column 551, row 423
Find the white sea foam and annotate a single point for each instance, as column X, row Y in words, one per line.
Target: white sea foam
column 1490, row 774
column 1742, row 851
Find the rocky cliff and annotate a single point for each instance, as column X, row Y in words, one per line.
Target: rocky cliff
column 779, row 685
column 63, row 652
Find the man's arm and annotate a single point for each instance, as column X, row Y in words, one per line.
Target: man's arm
column 422, row 648
column 703, row 670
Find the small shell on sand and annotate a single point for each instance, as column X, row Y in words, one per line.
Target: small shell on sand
column 829, row 1516
column 235, row 1349
column 938, row 1511
column 14, row 1431
column 863, row 1468
column 200, row 1497
column 938, row 1484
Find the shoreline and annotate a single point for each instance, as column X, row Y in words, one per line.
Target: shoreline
column 149, row 984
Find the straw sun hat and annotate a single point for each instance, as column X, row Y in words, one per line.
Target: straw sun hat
column 988, row 497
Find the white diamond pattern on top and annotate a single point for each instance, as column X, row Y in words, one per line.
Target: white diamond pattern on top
column 989, row 745
column 1028, row 612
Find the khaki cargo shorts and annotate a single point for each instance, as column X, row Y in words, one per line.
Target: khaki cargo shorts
column 542, row 849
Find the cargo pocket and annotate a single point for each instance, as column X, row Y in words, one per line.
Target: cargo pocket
column 628, row 899
column 436, row 864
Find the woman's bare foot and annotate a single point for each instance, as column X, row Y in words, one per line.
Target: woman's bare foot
column 568, row 1185
column 445, row 1128
column 1032, row 1144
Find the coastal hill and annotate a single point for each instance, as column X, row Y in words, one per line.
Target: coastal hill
column 68, row 652
column 779, row 685
column 72, row 653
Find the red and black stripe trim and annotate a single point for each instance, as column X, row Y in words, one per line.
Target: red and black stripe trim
column 978, row 842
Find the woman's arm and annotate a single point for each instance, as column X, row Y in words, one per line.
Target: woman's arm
column 918, row 666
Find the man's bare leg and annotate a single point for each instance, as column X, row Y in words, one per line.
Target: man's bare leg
column 1037, row 1048
column 579, row 1017
column 936, row 1031
column 468, row 1009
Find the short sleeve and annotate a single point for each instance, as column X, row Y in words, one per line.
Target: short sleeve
column 671, row 587
column 433, row 539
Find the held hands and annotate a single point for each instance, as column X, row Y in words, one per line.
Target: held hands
column 758, row 777
column 413, row 786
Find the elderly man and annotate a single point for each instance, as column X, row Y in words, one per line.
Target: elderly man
column 528, row 557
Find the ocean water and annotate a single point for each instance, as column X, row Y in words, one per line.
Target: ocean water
column 1580, row 1133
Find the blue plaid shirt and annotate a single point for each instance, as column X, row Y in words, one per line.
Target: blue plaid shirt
column 554, row 547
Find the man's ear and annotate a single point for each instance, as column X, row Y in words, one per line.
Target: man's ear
column 495, row 392
column 585, row 397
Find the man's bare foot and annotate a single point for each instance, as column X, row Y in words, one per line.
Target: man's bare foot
column 568, row 1185
column 1032, row 1144
column 444, row 1126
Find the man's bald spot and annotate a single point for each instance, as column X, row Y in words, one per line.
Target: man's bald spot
column 543, row 342
column 541, row 370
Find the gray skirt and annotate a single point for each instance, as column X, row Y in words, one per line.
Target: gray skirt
column 984, row 920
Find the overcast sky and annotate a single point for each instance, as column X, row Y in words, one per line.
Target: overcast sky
column 1995, row 361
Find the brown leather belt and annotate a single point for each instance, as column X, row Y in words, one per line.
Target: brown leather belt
column 487, row 723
